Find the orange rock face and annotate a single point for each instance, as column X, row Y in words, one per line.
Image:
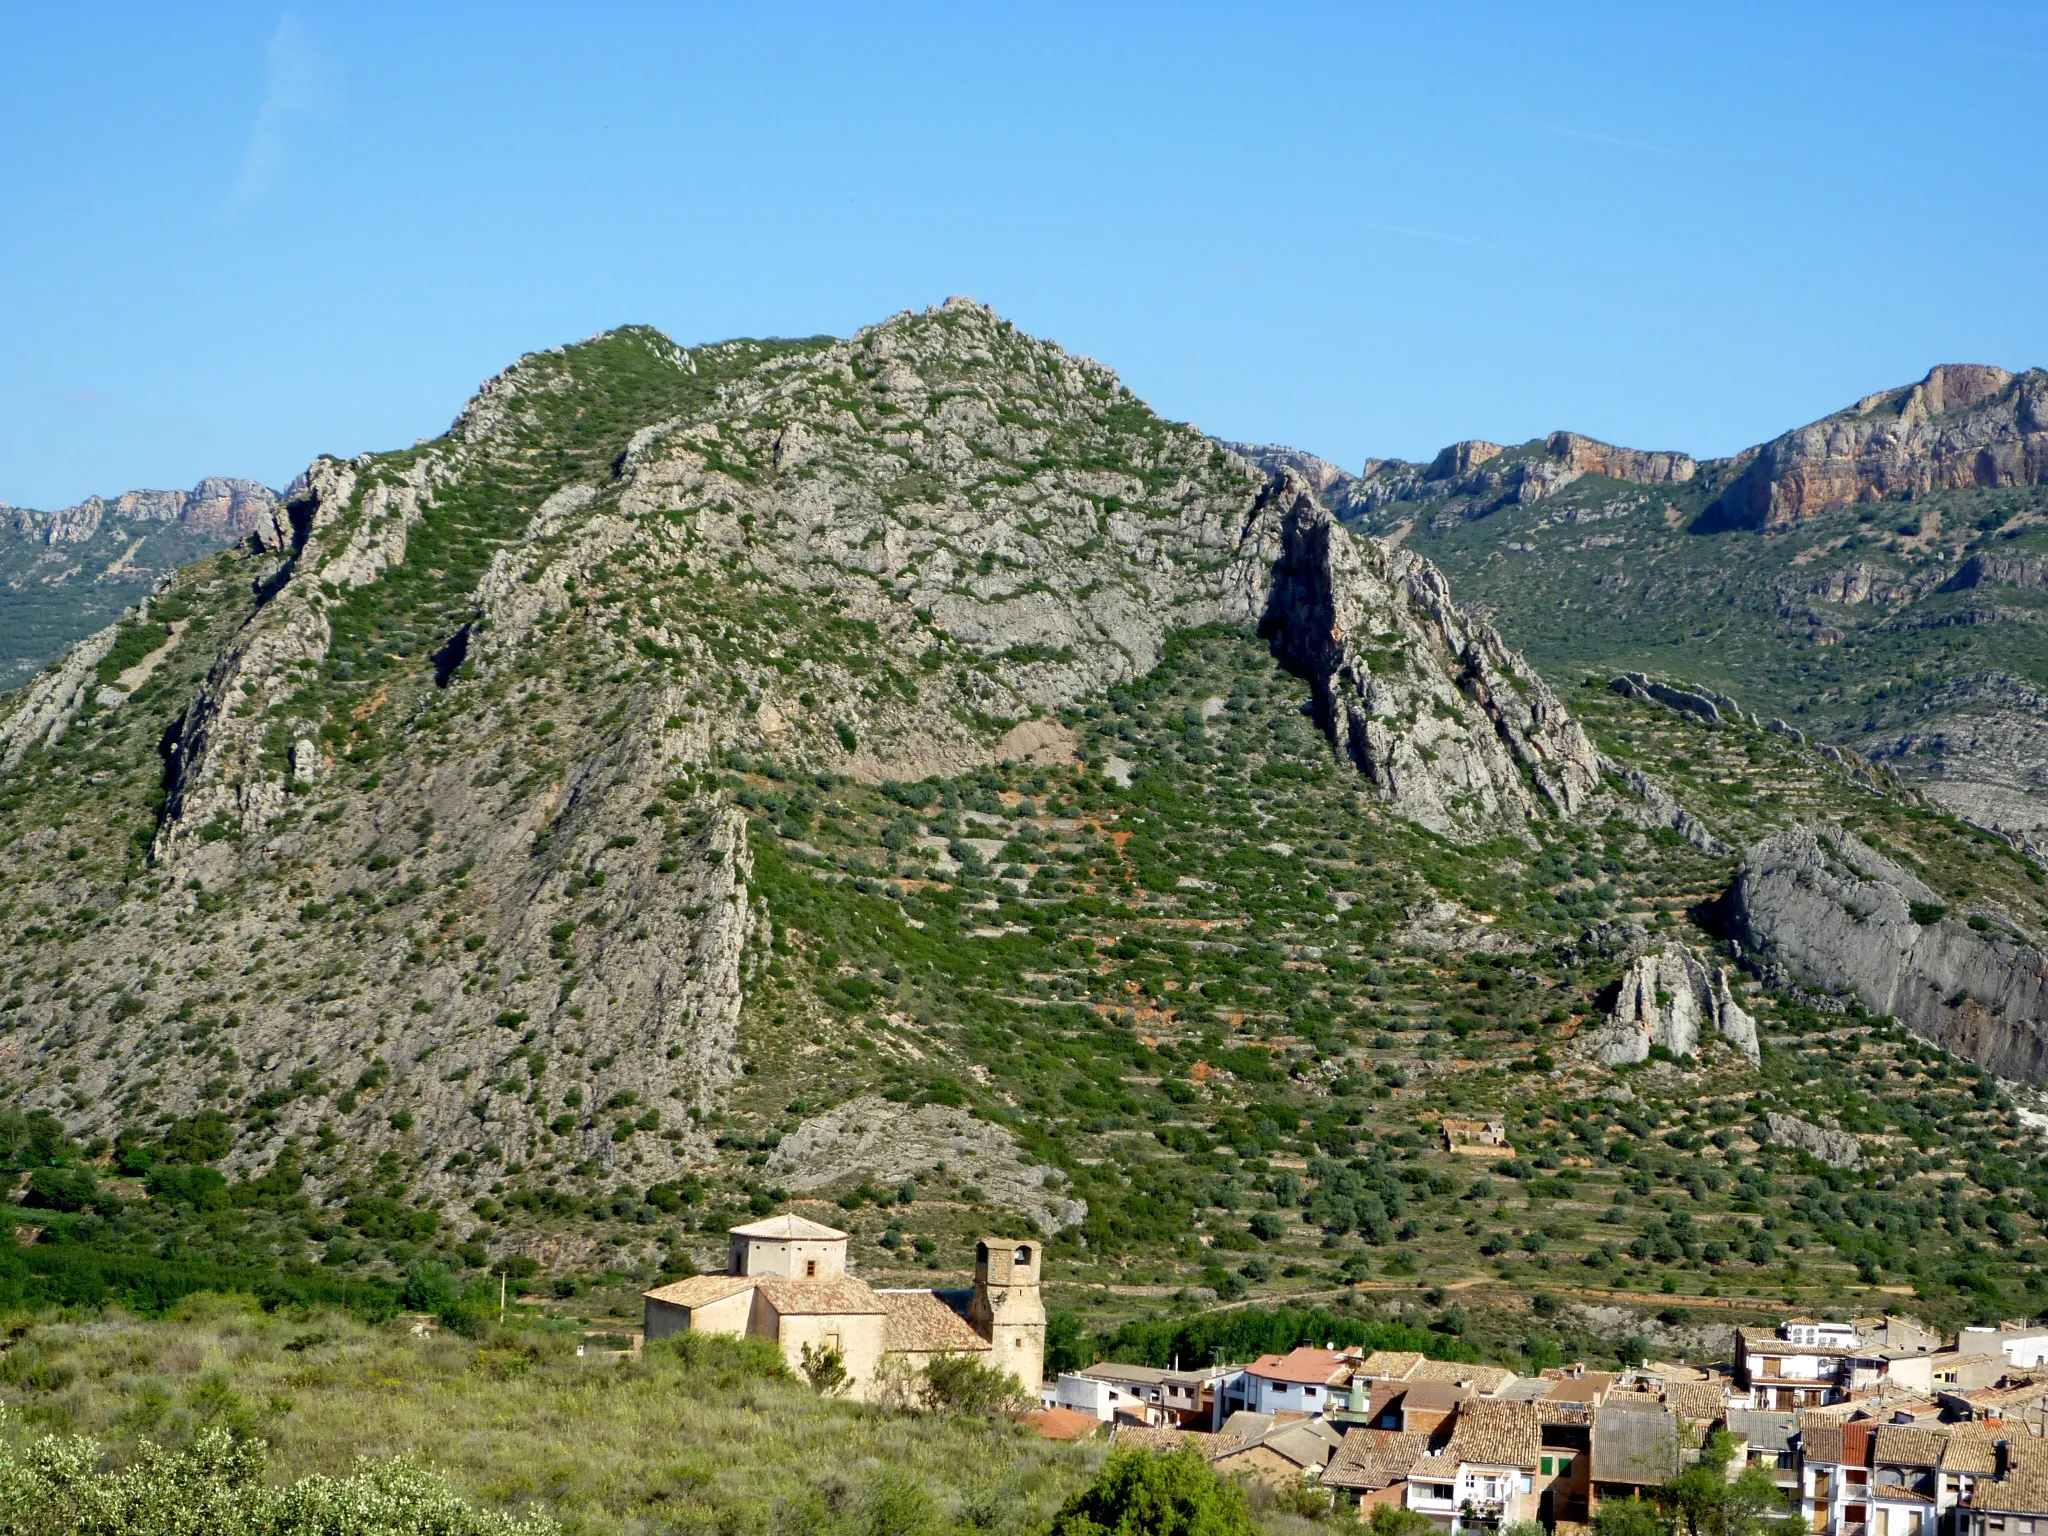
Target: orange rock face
column 1963, row 425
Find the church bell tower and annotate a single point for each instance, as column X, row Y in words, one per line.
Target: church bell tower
column 1006, row 1309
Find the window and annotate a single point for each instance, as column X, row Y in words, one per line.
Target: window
column 1547, row 1467
column 1023, row 1256
column 1526, row 1483
column 832, row 1343
column 810, row 1269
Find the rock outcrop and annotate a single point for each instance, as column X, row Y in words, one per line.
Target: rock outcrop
column 1839, row 915
column 1454, row 730
column 1963, row 425
column 870, row 1138
column 1836, row 1148
column 1668, row 998
column 1991, row 568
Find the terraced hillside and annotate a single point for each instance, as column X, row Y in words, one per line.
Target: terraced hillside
column 1902, row 619
column 906, row 774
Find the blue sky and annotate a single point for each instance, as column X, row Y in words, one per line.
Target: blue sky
column 234, row 236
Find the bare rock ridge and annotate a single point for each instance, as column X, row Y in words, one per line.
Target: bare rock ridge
column 1963, row 425
column 1455, row 731
column 1835, row 913
column 1837, row 1148
column 215, row 504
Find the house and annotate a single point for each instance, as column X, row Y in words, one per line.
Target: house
column 1771, row 1441
column 1283, row 1451
column 1062, row 1424
column 1188, row 1398
column 1429, row 1405
column 1634, row 1448
column 2014, row 1501
column 1371, row 1468
column 1485, row 1475
column 1949, row 1370
column 786, row 1279
column 1780, row 1373
column 1106, row 1399
column 1305, row 1380
column 1811, row 1330
column 1390, row 1364
column 1484, row 1380
column 1477, row 1138
column 1564, row 1462
column 2020, row 1346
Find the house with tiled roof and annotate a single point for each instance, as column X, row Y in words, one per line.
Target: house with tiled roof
column 1635, row 1448
column 1371, row 1467
column 1305, row 1380
column 786, row 1279
column 1783, row 1372
column 1485, row 1474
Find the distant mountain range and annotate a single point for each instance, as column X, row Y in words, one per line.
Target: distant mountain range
column 64, row 574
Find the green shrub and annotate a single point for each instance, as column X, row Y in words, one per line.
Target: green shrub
column 1140, row 1494
column 56, row 1488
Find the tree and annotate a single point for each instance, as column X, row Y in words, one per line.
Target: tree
column 1704, row 1501
column 1396, row 1520
column 1138, row 1493
column 825, row 1369
column 1629, row 1517
column 963, row 1385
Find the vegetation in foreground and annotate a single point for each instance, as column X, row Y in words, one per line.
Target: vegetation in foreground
column 692, row 1435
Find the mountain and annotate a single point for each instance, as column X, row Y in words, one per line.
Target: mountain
column 1874, row 578
column 67, row 573
column 907, row 772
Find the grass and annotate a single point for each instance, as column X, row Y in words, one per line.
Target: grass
column 679, row 1439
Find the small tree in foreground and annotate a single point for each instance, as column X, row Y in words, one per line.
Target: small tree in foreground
column 1399, row 1520
column 1138, row 1493
column 825, row 1369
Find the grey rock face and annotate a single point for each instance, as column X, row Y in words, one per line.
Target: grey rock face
column 1839, row 915
column 1655, row 806
column 869, row 1137
column 1428, row 703
column 1838, row 1149
column 50, row 704
column 1977, row 746
column 1668, row 998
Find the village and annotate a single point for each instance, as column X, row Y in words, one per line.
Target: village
column 1874, row 1426
column 1870, row 1427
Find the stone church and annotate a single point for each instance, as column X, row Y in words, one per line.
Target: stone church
column 785, row 1279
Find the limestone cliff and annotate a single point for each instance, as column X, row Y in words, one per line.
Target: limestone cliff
column 1453, row 730
column 1838, row 914
column 1668, row 998
column 1963, row 425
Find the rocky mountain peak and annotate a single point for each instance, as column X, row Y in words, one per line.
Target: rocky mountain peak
column 1965, row 425
column 512, row 664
